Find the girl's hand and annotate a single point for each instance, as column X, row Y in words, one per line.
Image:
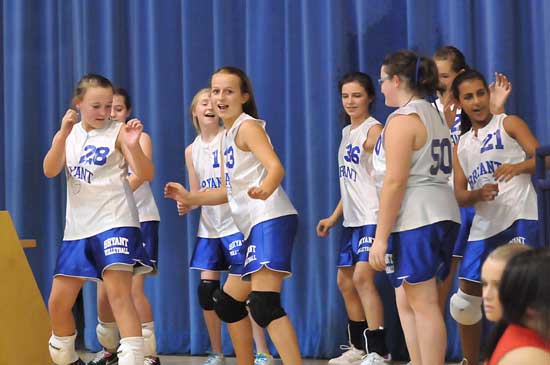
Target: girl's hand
column 500, row 90
column 449, row 108
column 69, row 120
column 507, row 171
column 377, row 254
column 176, row 191
column 258, row 193
column 324, row 226
column 131, row 132
column 182, row 209
column 488, row 192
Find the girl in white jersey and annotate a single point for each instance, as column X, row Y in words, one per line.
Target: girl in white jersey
column 493, row 166
column 262, row 212
column 418, row 213
column 451, row 62
column 359, row 206
column 102, row 238
column 149, row 218
column 220, row 245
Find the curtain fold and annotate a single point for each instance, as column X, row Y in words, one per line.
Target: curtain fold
column 294, row 52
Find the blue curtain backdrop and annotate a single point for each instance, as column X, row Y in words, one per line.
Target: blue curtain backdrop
column 294, row 52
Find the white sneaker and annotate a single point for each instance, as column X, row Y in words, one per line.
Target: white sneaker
column 263, row 359
column 374, row 359
column 351, row 355
column 215, row 358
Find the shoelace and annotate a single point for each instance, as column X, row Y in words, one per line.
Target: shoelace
column 211, row 358
column 261, row 358
column 150, row 361
column 346, row 348
column 101, row 355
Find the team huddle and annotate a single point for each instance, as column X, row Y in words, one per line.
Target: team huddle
column 447, row 145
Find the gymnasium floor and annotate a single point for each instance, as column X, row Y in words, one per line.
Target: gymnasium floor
column 195, row 360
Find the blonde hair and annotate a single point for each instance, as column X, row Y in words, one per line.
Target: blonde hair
column 194, row 102
column 507, row 251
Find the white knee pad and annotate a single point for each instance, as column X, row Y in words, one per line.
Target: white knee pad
column 62, row 349
column 108, row 336
column 130, row 351
column 465, row 308
column 149, row 339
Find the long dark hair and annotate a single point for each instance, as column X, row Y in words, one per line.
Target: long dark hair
column 469, row 74
column 419, row 72
column 365, row 81
column 124, row 93
column 246, row 88
column 524, row 286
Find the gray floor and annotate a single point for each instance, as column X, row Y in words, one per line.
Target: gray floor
column 194, row 360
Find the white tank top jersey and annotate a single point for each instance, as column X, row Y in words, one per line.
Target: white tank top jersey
column 245, row 171
column 428, row 197
column 479, row 157
column 98, row 194
column 216, row 220
column 145, row 202
column 355, row 170
column 455, row 129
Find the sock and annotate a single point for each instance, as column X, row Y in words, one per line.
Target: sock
column 355, row 332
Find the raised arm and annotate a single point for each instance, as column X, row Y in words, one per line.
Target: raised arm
column 147, row 148
column 128, row 140
column 54, row 161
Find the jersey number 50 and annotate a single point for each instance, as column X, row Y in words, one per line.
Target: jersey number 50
column 442, row 156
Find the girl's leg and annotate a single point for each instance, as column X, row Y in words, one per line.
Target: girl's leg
column 145, row 313
column 62, row 298
column 363, row 280
column 408, row 323
column 470, row 335
column 447, row 284
column 430, row 326
column 259, row 337
column 106, row 330
column 266, row 289
column 213, row 322
column 118, row 284
column 241, row 330
column 354, row 308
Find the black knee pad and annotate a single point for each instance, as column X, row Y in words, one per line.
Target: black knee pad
column 227, row 308
column 265, row 306
column 206, row 291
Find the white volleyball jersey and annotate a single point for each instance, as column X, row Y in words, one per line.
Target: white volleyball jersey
column 357, row 185
column 479, row 157
column 455, row 129
column 98, row 194
column 428, row 197
column 216, row 220
column 145, row 202
column 245, row 171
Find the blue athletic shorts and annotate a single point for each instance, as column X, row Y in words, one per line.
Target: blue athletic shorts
column 419, row 254
column 355, row 244
column 521, row 231
column 88, row 257
column 270, row 245
column 150, row 236
column 220, row 254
